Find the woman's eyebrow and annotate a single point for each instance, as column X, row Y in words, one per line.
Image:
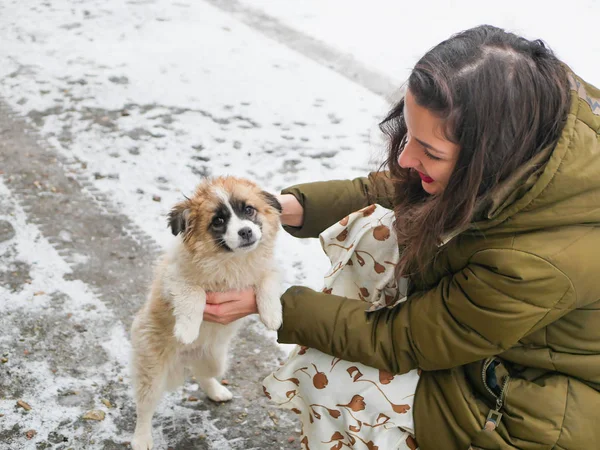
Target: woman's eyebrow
column 425, row 144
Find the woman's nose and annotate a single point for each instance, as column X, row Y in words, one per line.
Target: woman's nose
column 408, row 159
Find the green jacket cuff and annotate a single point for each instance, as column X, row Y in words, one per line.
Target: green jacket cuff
column 341, row 327
column 300, row 306
column 326, row 202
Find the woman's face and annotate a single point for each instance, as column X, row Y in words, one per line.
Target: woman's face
column 427, row 151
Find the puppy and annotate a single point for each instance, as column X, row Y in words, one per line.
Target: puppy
column 225, row 240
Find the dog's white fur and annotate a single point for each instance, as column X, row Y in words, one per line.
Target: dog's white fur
column 168, row 333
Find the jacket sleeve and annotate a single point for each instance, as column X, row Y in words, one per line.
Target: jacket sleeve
column 483, row 310
column 326, row 202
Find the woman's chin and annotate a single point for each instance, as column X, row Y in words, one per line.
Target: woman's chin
column 430, row 188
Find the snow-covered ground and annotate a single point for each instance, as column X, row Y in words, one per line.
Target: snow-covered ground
column 153, row 95
column 142, row 98
column 391, row 36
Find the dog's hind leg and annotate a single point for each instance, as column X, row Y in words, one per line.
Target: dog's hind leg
column 149, row 385
column 215, row 390
column 206, row 369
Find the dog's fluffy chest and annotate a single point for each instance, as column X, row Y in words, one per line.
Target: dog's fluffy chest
column 215, row 274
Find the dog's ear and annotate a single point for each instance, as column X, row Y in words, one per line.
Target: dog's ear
column 178, row 219
column 272, row 200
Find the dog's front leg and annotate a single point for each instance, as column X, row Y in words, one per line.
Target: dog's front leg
column 188, row 309
column 268, row 300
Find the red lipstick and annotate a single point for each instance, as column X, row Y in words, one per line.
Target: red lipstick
column 425, row 178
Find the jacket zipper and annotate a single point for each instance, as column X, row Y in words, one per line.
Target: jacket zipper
column 494, row 416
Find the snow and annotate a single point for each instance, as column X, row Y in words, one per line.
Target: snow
column 143, row 98
column 391, row 36
column 47, row 268
column 48, row 392
column 249, row 106
column 48, row 275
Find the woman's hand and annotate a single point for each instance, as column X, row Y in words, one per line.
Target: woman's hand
column 293, row 212
column 225, row 307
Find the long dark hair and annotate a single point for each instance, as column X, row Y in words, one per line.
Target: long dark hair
column 503, row 99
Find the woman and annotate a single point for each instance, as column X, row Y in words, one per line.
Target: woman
column 494, row 177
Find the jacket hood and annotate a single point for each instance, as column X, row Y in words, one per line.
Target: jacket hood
column 565, row 188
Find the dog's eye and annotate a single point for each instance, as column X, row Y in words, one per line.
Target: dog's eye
column 218, row 221
column 249, row 210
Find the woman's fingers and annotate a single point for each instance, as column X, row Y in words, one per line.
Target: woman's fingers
column 228, row 296
column 225, row 307
column 223, row 313
column 221, row 297
column 222, row 309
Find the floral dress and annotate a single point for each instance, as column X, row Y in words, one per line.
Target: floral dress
column 345, row 404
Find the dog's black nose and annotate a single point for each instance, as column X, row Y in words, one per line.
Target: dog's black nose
column 245, row 233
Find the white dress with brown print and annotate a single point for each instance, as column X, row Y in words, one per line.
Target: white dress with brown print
column 344, row 404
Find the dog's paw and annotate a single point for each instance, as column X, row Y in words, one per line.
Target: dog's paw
column 142, row 441
column 219, row 393
column 272, row 317
column 186, row 331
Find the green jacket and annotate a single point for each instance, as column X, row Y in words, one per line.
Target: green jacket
column 520, row 287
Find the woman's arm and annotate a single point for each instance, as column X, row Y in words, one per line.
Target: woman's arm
column 225, row 307
column 325, row 202
column 485, row 309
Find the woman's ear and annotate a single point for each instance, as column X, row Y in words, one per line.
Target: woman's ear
column 272, row 200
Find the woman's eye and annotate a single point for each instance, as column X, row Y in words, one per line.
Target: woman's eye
column 218, row 221
column 249, row 210
column 430, row 156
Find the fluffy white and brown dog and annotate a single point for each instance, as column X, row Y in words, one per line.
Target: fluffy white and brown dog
column 225, row 237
